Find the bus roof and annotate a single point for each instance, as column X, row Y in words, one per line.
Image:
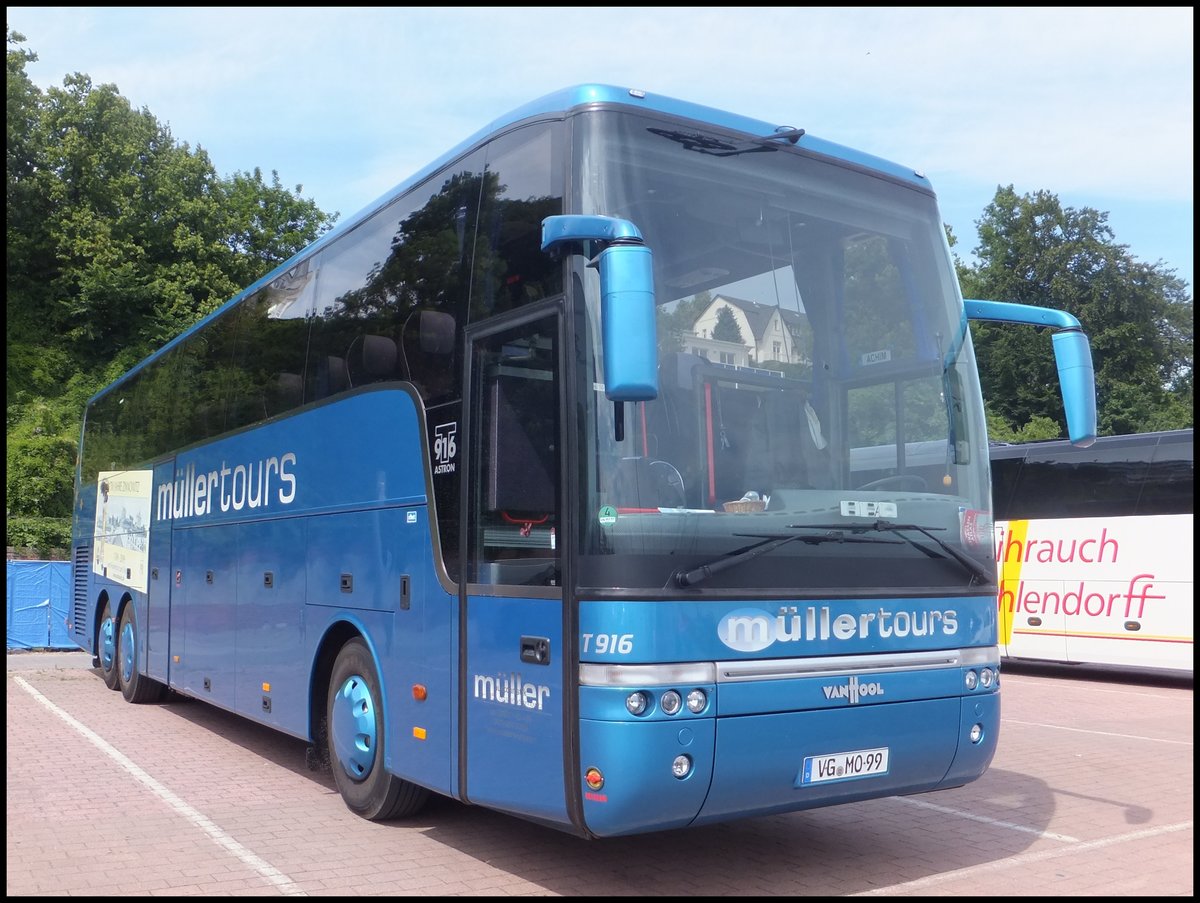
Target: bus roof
column 999, row 450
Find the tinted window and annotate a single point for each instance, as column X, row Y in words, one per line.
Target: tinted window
column 1117, row 476
column 380, row 286
column 1169, row 486
column 521, row 187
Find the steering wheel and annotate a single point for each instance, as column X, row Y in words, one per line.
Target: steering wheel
column 906, row 482
column 669, row 482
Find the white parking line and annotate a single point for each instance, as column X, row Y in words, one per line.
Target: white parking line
column 269, row 873
column 958, row 813
column 1080, row 730
column 1027, row 858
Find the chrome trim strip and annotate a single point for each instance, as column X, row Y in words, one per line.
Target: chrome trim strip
column 836, row 665
column 614, row 675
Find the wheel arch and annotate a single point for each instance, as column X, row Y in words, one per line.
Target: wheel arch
column 336, row 636
column 102, row 599
column 124, row 602
column 97, row 615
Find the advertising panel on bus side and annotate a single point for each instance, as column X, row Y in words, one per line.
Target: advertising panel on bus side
column 1112, row 590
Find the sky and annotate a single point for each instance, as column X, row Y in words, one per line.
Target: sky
column 1091, row 104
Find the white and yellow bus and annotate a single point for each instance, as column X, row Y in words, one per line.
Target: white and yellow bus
column 1094, row 550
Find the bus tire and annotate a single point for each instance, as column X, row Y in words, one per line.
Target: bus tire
column 106, row 648
column 135, row 687
column 356, row 731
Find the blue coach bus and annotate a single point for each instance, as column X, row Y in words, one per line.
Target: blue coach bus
column 530, row 484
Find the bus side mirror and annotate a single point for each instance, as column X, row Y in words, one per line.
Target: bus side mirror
column 1072, row 355
column 626, row 268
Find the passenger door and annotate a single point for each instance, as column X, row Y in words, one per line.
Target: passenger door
column 512, row 664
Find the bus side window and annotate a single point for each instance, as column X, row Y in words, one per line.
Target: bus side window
column 514, row 485
column 288, row 393
column 332, row 377
column 1005, row 472
column 524, row 455
column 427, row 354
column 1169, row 486
column 521, row 188
column 371, row 358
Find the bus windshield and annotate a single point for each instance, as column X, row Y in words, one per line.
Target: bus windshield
column 810, row 336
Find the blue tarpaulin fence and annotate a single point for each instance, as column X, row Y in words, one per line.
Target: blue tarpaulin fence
column 39, row 605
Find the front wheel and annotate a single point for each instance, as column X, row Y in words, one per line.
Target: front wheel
column 135, row 687
column 356, row 728
column 106, row 648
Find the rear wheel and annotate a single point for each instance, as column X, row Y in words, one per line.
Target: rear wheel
column 356, row 728
column 106, row 648
column 135, row 687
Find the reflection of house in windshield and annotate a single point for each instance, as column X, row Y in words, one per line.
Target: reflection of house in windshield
column 747, row 334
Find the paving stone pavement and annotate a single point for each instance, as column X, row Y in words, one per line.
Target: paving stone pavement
column 1090, row 795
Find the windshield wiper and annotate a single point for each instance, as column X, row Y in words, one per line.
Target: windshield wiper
column 717, row 147
column 973, row 567
column 833, row 533
column 769, row 543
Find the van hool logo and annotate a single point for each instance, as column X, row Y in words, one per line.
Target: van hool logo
column 752, row 630
column 853, row 690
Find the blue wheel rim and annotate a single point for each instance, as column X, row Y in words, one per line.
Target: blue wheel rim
column 353, row 727
column 108, row 643
column 127, row 652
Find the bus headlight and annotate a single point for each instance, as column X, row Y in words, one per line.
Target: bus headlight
column 671, row 702
column 976, row 733
column 682, row 766
column 697, row 701
column 971, row 679
column 987, row 677
column 637, row 702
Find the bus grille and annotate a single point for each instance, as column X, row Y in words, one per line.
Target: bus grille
column 79, row 574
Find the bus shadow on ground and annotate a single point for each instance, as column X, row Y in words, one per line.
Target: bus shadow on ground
column 846, row 849
column 277, row 747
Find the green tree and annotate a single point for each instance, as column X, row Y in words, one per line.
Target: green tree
column 118, row 239
column 1036, row 429
column 674, row 321
column 1138, row 317
column 727, row 328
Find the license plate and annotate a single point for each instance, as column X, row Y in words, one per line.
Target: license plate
column 845, row 766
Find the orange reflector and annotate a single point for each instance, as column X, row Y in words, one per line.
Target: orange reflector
column 419, row 733
column 593, row 778
column 266, row 687
column 419, row 692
